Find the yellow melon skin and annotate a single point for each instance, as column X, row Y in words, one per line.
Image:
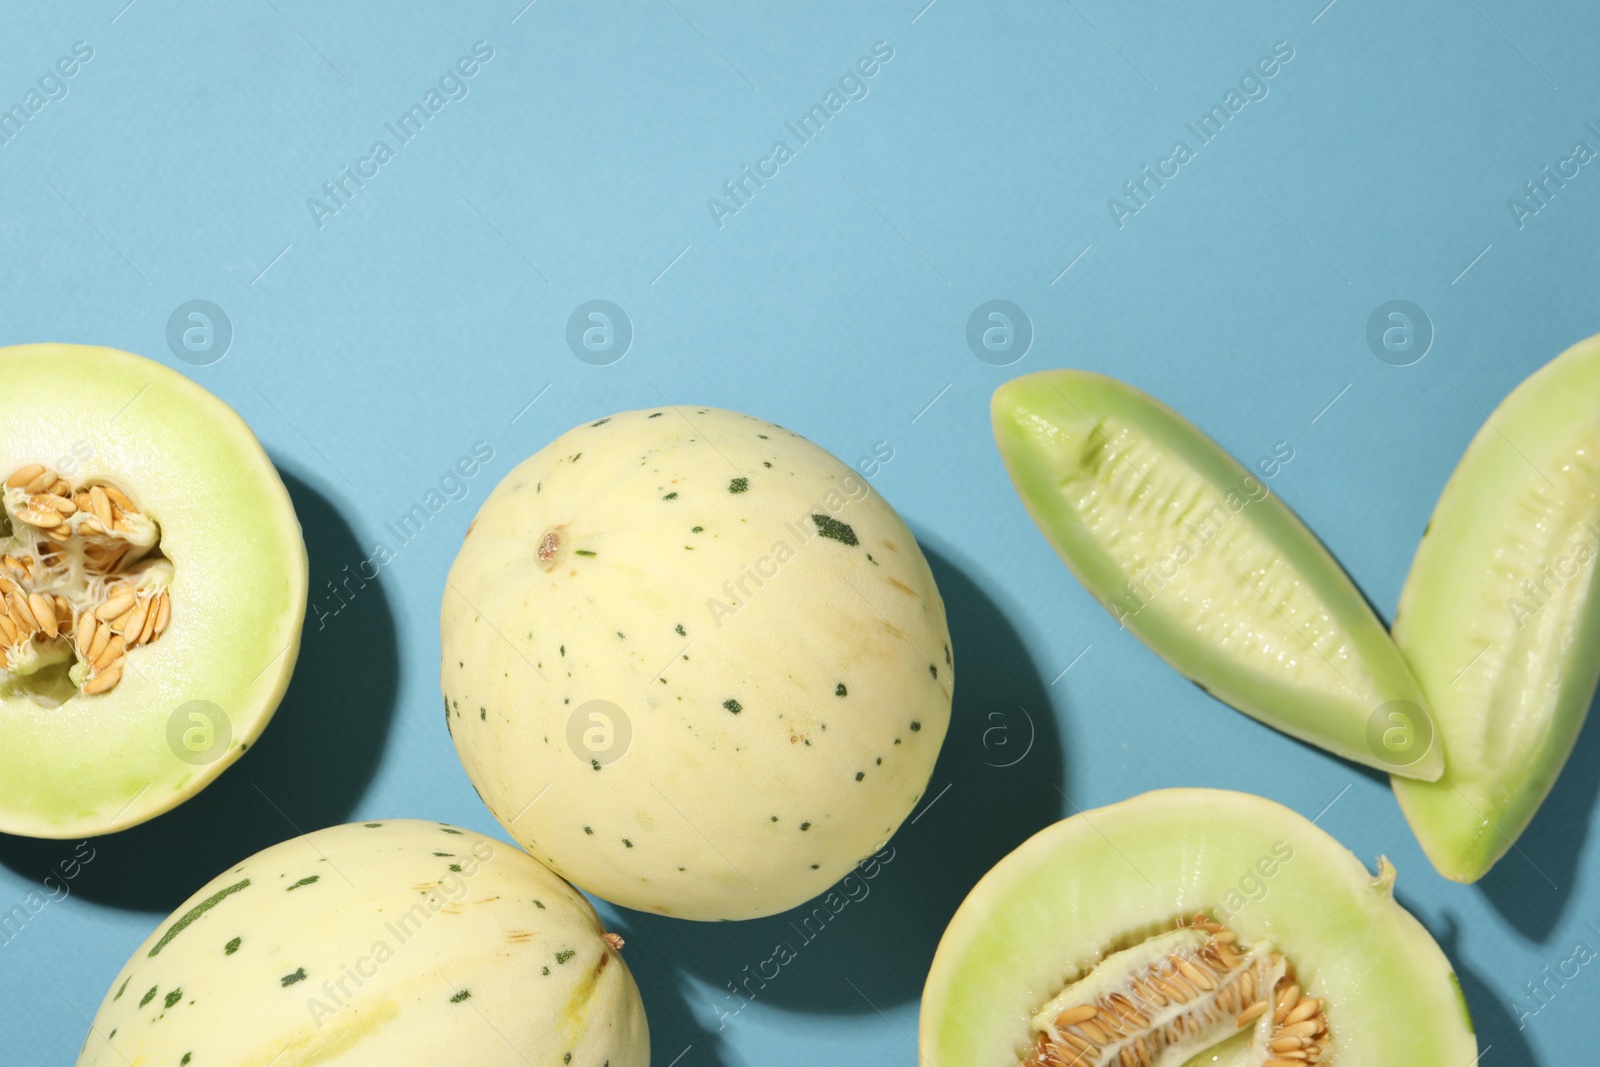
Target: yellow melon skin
column 371, row 945
column 694, row 663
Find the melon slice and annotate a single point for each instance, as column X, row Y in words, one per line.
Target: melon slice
column 1189, row 926
column 371, row 945
column 1196, row 556
column 1500, row 617
column 154, row 585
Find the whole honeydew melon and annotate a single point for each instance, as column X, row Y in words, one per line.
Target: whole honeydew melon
column 371, row 945
column 153, row 580
column 694, row 663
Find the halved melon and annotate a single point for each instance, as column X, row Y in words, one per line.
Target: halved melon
column 1196, row 555
column 154, row 586
column 1189, row 926
column 1500, row 618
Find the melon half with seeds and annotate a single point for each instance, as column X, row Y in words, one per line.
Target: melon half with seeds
column 1190, row 926
column 694, row 663
column 375, row 944
column 152, row 589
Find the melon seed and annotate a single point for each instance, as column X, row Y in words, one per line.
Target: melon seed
column 84, row 578
column 1175, row 995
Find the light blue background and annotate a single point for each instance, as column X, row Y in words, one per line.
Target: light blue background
column 371, row 352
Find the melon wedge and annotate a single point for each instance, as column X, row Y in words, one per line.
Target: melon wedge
column 1196, row 556
column 1500, row 617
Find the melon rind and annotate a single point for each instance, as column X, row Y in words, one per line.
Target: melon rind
column 103, row 763
column 779, row 733
column 1260, row 615
column 1510, row 673
column 1050, row 910
column 370, row 945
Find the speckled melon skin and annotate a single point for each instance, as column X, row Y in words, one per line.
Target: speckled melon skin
column 365, row 946
column 780, row 732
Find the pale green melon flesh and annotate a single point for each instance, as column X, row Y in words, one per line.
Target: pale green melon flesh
column 1137, row 501
column 371, row 945
column 1052, row 909
column 1197, row 557
column 1500, row 618
column 100, row 763
column 762, row 621
column 1233, row 1052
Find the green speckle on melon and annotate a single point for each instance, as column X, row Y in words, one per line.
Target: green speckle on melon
column 834, row 530
column 198, row 910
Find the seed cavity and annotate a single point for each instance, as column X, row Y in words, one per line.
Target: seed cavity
column 82, row 582
column 1169, row 998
